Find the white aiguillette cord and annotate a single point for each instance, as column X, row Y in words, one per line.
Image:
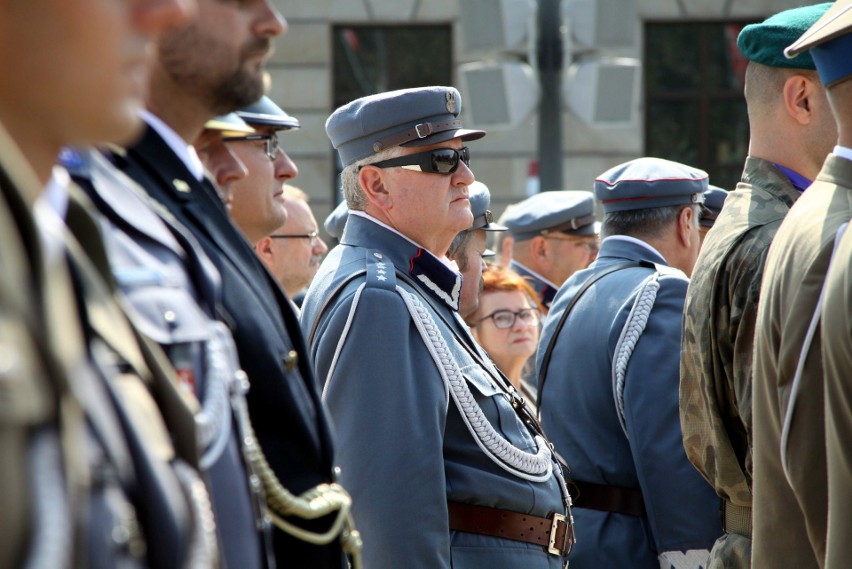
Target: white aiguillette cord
column 800, row 366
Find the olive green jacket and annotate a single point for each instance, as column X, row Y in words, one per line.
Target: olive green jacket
column 790, row 505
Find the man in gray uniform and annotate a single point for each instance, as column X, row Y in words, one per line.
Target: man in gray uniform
column 443, row 471
column 608, row 376
column 554, row 236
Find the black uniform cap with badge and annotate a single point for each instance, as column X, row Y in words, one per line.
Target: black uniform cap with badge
column 407, row 117
column 646, row 183
column 568, row 212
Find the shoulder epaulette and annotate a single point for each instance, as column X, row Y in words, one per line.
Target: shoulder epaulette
column 381, row 272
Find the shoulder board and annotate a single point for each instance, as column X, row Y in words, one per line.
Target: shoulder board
column 381, row 272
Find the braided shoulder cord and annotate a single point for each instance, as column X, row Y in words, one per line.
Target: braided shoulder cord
column 536, row 467
column 633, row 328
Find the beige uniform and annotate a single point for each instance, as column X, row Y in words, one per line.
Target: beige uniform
column 837, row 365
column 790, row 507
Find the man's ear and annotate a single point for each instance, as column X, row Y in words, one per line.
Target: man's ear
column 538, row 247
column 798, row 95
column 372, row 181
column 263, row 248
column 685, row 225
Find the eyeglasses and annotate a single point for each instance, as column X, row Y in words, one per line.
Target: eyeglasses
column 438, row 161
column 506, row 318
column 272, row 143
column 312, row 235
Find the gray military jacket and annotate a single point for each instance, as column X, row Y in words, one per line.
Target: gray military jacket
column 405, row 447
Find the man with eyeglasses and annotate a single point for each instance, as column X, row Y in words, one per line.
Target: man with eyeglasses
column 207, row 69
column 607, row 367
column 257, row 199
column 443, row 470
column 294, row 251
column 553, row 235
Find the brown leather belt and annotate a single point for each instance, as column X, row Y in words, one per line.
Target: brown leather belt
column 554, row 533
column 615, row 499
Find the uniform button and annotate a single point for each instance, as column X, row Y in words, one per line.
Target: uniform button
column 291, row 360
column 170, row 317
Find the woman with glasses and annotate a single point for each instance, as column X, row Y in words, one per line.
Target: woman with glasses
column 506, row 324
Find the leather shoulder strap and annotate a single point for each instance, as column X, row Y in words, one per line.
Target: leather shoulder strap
column 548, row 352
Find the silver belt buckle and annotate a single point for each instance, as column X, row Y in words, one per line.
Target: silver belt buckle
column 551, row 548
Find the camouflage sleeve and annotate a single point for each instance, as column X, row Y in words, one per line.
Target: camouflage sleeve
column 744, row 272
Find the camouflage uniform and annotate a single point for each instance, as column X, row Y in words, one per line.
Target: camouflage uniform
column 716, row 355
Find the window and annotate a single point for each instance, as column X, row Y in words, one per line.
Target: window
column 695, row 112
column 372, row 59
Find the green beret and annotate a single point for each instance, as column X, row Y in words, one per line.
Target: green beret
column 765, row 42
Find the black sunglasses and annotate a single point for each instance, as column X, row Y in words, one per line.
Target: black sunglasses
column 438, row 161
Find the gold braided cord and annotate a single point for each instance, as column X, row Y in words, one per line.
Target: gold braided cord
column 314, row 503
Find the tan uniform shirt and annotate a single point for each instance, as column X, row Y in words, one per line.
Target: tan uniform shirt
column 790, row 508
column 837, row 365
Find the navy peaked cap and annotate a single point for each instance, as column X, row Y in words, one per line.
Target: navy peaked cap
column 714, row 199
column 266, row 113
column 407, row 117
column 571, row 212
column 647, row 183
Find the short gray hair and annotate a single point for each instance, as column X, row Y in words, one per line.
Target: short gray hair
column 647, row 223
column 352, row 192
column 458, row 246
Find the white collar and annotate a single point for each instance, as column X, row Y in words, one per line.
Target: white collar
column 55, row 194
column 179, row 146
column 843, row 152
